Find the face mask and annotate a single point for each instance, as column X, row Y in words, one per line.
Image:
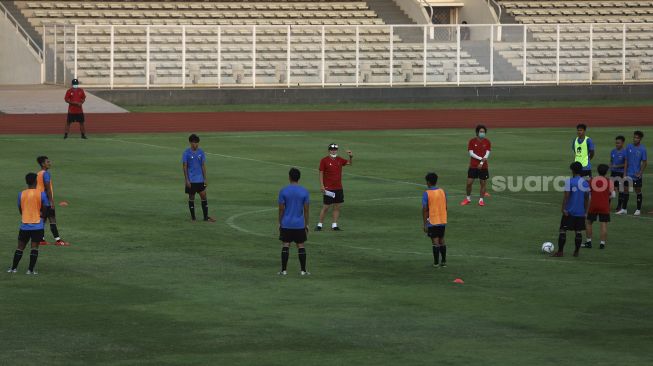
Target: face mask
column 75, row 86
column 333, row 155
column 481, row 135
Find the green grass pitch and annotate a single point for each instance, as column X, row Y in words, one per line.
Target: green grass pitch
column 143, row 285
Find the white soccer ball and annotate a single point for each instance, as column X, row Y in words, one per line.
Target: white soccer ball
column 548, row 247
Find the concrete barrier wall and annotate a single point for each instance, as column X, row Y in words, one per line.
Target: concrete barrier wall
column 353, row 95
column 18, row 65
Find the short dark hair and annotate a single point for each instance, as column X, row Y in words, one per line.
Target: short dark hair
column 639, row 134
column 30, row 179
column 603, row 169
column 620, row 138
column 194, row 138
column 41, row 159
column 581, row 126
column 480, row 127
column 294, row 174
column 576, row 167
column 431, row 178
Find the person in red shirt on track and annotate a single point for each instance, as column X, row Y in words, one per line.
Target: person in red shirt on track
column 75, row 97
column 479, row 150
column 602, row 190
column 331, row 184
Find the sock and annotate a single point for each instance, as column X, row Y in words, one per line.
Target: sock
column 319, row 224
column 302, row 258
column 481, row 199
column 602, row 242
column 620, row 201
column 588, row 240
column 436, row 254
column 443, row 253
column 578, row 240
column 469, row 198
column 205, row 209
column 33, row 256
column 17, row 256
column 65, row 135
column 334, row 225
column 625, row 201
column 285, row 253
column 55, row 231
column 562, row 239
column 191, row 207
column 639, row 201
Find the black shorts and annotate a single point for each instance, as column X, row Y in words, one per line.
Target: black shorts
column 436, row 231
column 572, row 223
column 637, row 182
column 586, row 173
column 591, row 217
column 292, row 235
column 36, row 236
column 195, row 188
column 75, row 117
column 476, row 173
column 339, row 198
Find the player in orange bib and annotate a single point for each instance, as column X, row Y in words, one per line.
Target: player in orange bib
column 32, row 205
column 44, row 184
column 434, row 215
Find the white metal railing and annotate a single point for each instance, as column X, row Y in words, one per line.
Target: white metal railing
column 36, row 49
column 286, row 56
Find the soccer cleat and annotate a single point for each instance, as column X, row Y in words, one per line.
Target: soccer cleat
column 336, row 228
column 602, row 246
column 31, row 272
column 623, row 211
column 588, row 245
column 443, row 264
column 209, row 219
column 481, row 203
column 61, row 243
column 304, row 273
column 465, row 202
column 12, row 270
column 557, row 255
column 283, row 273
column 436, row 265
column 318, row 228
column 65, row 136
column 637, row 213
column 84, row 137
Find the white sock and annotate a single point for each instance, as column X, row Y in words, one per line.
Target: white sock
column 57, row 238
column 589, row 239
column 469, row 198
column 603, row 242
column 334, row 225
column 480, row 200
column 319, row 224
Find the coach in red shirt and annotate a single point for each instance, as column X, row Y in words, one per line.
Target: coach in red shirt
column 479, row 151
column 331, row 184
column 75, row 97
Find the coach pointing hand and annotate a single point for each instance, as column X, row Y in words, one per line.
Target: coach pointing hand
column 331, row 184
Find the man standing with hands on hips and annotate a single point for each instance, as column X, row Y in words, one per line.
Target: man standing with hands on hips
column 331, row 184
column 75, row 97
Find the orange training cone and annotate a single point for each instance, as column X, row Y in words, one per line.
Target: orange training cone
column 458, row 280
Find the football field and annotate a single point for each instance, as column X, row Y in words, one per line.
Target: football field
column 142, row 284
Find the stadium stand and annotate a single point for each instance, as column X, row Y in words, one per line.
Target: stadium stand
column 274, row 20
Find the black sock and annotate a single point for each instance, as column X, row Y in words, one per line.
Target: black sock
column 302, row 258
column 191, row 207
column 625, row 200
column 443, row 253
column 620, row 201
column 17, row 256
column 55, row 231
column 639, row 201
column 285, row 253
column 33, row 256
column 205, row 209
column 436, row 254
column 562, row 239
column 65, row 135
column 578, row 240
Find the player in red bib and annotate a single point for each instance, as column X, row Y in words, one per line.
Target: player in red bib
column 331, row 184
column 479, row 151
column 75, row 97
column 602, row 190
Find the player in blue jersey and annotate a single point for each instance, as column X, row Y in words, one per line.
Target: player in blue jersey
column 636, row 161
column 574, row 208
column 583, row 148
column 293, row 220
column 194, row 164
column 617, row 163
column 33, row 206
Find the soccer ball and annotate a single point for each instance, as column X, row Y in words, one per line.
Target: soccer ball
column 547, row 247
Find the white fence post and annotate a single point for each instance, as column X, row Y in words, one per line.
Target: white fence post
column 623, row 55
column 54, row 54
column 65, row 53
column 591, row 78
column 323, row 59
column 392, row 55
column 111, row 58
column 147, row 57
column 183, row 56
column 425, row 56
column 75, row 51
column 357, row 55
column 491, row 55
column 45, row 62
column 558, row 54
column 458, row 54
column 288, row 69
column 219, row 56
column 524, row 61
column 254, row 56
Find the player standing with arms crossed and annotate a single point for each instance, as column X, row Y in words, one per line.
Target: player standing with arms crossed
column 617, row 164
column 293, row 220
column 434, row 218
column 636, row 162
column 31, row 205
column 583, row 148
column 331, row 184
column 193, row 163
column 75, row 97
column 479, row 151
column 44, row 184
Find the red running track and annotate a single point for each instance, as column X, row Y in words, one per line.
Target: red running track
column 329, row 120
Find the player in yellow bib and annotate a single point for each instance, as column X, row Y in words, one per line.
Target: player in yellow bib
column 583, row 148
column 434, row 216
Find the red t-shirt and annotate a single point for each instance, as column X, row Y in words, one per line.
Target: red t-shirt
column 75, row 96
column 480, row 148
column 602, row 188
column 332, row 169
